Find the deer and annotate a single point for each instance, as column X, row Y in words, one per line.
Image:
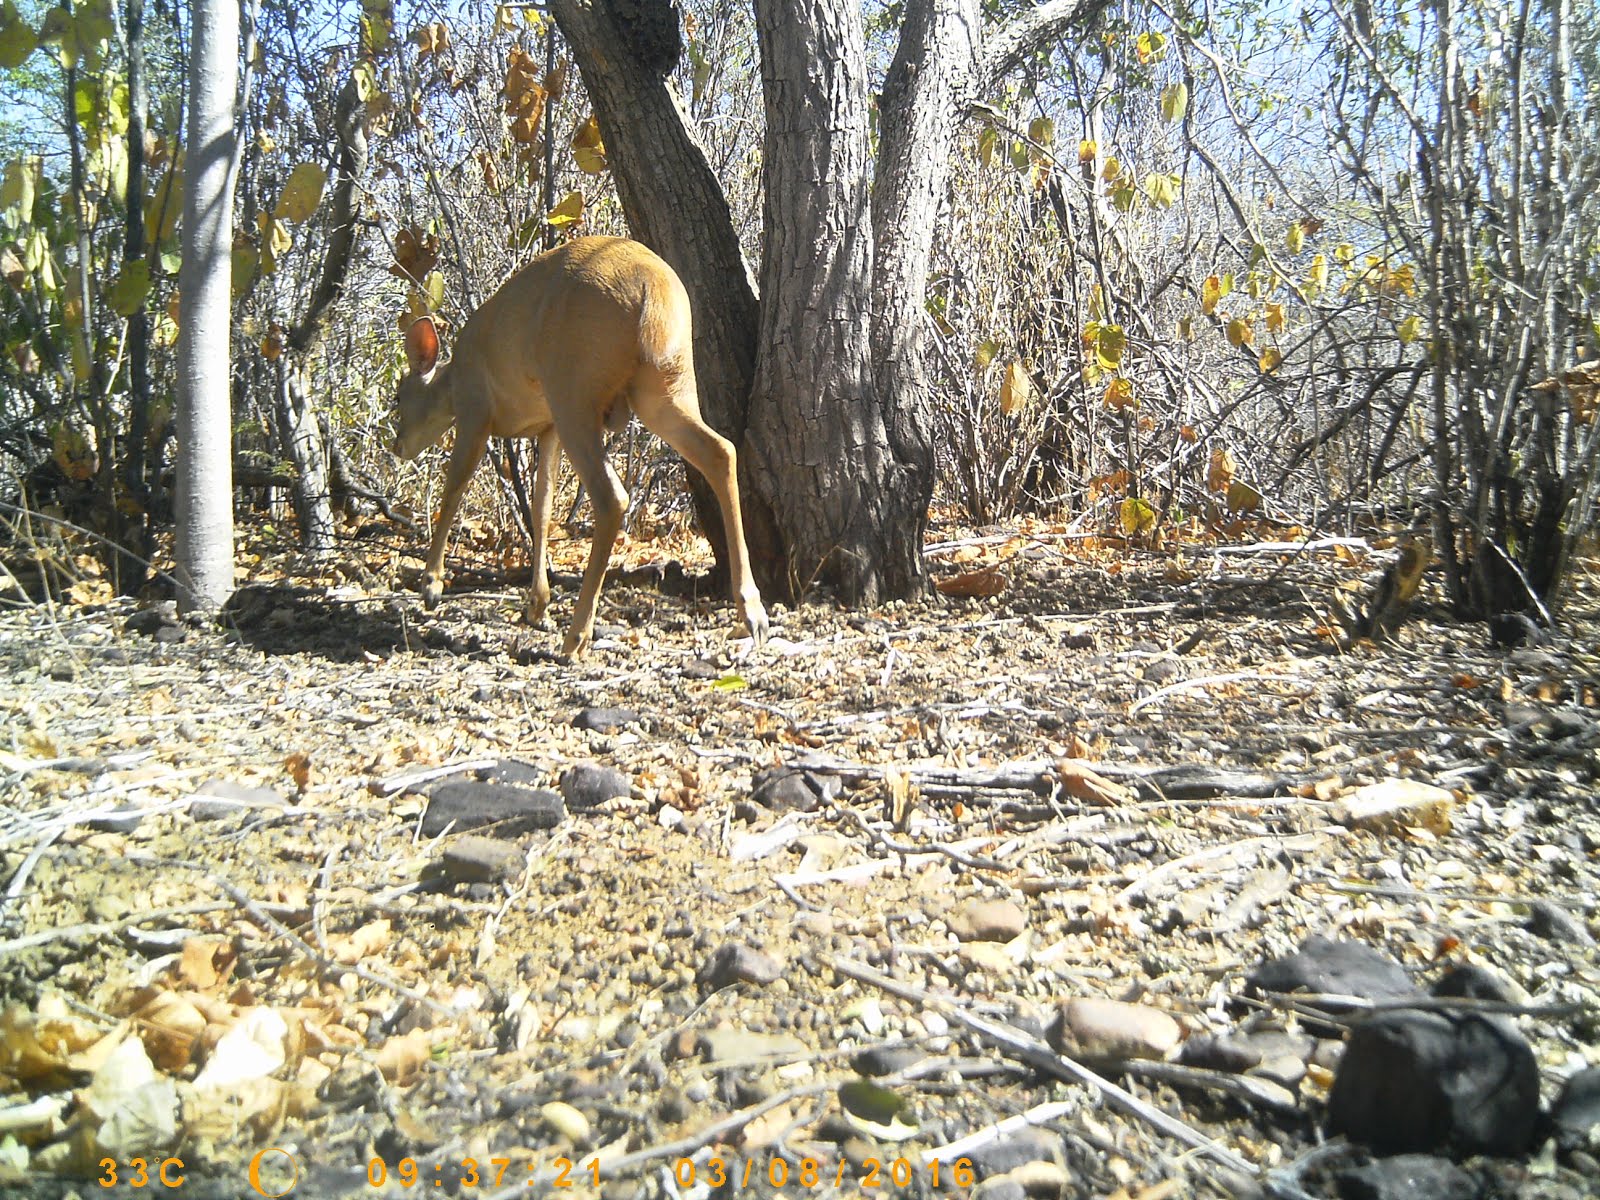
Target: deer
column 569, row 347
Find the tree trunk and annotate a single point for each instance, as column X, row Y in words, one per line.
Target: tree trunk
column 823, row 391
column 204, row 544
column 818, row 440
column 662, row 173
column 137, row 529
column 299, row 430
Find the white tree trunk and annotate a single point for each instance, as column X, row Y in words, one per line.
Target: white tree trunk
column 204, row 546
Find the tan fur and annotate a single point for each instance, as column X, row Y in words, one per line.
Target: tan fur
column 570, row 345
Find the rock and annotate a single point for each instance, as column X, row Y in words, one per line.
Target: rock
column 988, row 957
column 1407, row 1177
column 784, row 789
column 462, row 804
column 988, row 921
column 1324, row 966
column 1421, row 1082
column 561, row 1118
column 1111, row 1031
column 735, row 962
column 218, row 799
column 514, row 771
column 1472, row 982
column 1392, row 803
column 887, row 1058
column 1026, row 1146
column 123, row 819
column 475, row 859
column 1575, row 1118
column 726, row 1044
column 588, row 785
column 151, row 621
column 1237, row 1053
column 605, row 720
column 1555, row 924
column 1031, row 1181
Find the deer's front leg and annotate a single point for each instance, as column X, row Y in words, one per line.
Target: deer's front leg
column 543, row 492
column 464, row 459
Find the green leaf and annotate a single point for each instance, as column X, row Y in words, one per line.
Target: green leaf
column 21, row 185
column 128, row 291
column 1174, row 102
column 729, row 683
column 1019, row 155
column 17, row 39
column 1042, row 130
column 1122, row 197
column 988, row 146
column 1162, row 189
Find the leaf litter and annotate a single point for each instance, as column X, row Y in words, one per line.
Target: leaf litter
column 1010, row 854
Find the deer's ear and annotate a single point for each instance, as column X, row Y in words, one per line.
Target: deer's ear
column 422, row 346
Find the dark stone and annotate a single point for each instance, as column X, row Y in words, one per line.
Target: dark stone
column 1324, row 966
column 150, row 621
column 605, row 720
column 887, row 1058
column 218, row 799
column 784, row 789
column 1407, row 1177
column 734, row 962
column 586, row 785
column 1576, row 1115
column 1023, row 1147
column 462, row 804
column 1555, row 924
column 1421, row 1082
column 120, row 820
column 1237, row 1053
column 1472, row 982
column 514, row 771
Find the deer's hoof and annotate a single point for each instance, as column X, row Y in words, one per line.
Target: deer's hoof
column 755, row 618
column 576, row 644
column 432, row 592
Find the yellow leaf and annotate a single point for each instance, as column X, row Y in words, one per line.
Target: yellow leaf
column 1086, row 151
column 1042, row 130
column 1243, row 498
column 989, row 146
column 302, row 192
column 1016, row 390
column 1174, row 102
column 1150, row 47
column 568, row 212
column 1210, row 293
column 1270, row 360
column 1295, row 239
column 1162, row 189
column 1317, row 274
column 162, row 209
column 1275, row 318
column 588, row 151
column 1410, row 329
column 1109, row 343
column 1240, row 333
column 1137, row 516
column 985, row 353
column 1110, row 169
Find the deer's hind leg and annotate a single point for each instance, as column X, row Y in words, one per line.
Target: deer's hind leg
column 667, row 403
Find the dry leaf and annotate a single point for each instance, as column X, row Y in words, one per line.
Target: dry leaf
column 987, row 581
column 1078, row 781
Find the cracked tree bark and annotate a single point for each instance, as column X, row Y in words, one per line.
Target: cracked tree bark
column 819, row 384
